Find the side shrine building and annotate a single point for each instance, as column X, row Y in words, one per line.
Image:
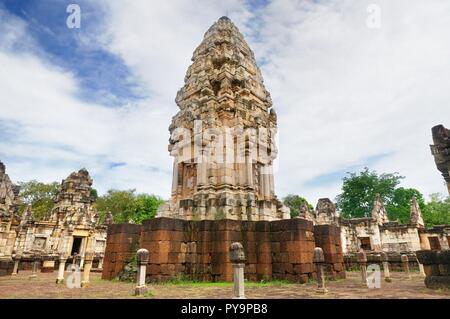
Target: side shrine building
column 70, row 229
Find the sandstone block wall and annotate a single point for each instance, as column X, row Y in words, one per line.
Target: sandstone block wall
column 437, row 267
column 199, row 250
column 394, row 259
column 6, row 266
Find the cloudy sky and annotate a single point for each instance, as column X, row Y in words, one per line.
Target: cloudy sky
column 350, row 90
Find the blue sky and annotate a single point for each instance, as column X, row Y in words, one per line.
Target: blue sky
column 102, row 96
column 102, row 76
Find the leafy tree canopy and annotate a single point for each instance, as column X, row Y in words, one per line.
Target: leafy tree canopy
column 437, row 211
column 359, row 191
column 39, row 195
column 126, row 205
column 294, row 202
column 400, row 206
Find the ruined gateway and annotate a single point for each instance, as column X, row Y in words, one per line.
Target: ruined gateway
column 71, row 227
column 223, row 137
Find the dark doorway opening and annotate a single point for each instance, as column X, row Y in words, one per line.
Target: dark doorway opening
column 365, row 243
column 434, row 243
column 76, row 245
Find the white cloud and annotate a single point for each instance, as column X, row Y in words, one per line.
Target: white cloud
column 343, row 92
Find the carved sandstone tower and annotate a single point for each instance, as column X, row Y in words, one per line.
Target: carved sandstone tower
column 222, row 139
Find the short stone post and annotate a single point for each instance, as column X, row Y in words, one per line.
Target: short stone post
column 319, row 260
column 35, row 266
column 405, row 265
column 62, row 267
column 421, row 268
column 88, row 259
column 142, row 261
column 237, row 258
column 362, row 261
column 16, row 259
column 385, row 261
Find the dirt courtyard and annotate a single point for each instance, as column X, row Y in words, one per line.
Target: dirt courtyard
column 44, row 286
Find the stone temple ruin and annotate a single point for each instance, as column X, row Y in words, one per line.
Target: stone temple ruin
column 222, row 139
column 223, row 144
column 441, row 151
column 71, row 228
column 377, row 234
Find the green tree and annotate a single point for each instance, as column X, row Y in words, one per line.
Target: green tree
column 400, row 206
column 128, row 206
column 39, row 195
column 294, row 202
column 146, row 207
column 437, row 211
column 359, row 191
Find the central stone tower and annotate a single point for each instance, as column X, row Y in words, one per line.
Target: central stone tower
column 223, row 137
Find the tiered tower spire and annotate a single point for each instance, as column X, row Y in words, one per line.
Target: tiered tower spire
column 222, row 139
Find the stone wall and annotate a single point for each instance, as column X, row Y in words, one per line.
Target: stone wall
column 122, row 244
column 328, row 238
column 437, row 267
column 394, row 259
column 199, row 250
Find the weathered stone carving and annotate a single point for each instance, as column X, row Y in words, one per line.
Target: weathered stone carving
column 326, row 212
column 441, row 151
column 416, row 215
column 305, row 212
column 222, row 139
column 379, row 213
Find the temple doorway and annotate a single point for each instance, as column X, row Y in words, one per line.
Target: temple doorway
column 76, row 246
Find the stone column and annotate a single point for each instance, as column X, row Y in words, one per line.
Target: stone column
column 319, row 260
column 142, row 261
column 405, row 265
column 362, row 261
column 248, row 169
column 421, row 268
column 88, row 258
column 385, row 261
column 237, row 258
column 16, row 259
column 35, row 266
column 100, row 261
column 61, row 268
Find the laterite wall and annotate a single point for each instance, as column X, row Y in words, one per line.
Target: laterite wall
column 328, row 237
column 122, row 244
column 199, row 250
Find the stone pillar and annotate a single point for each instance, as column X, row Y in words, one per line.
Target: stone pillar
column 88, row 258
column 421, row 268
column 319, row 259
column 100, row 261
column 142, row 261
column 385, row 261
column 248, row 169
column 237, row 258
column 35, row 266
column 62, row 267
column 362, row 261
column 405, row 265
column 16, row 259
